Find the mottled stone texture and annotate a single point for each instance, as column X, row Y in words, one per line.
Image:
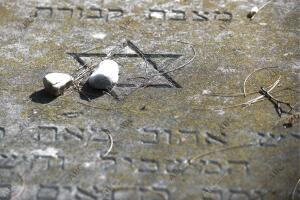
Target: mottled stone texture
column 181, row 135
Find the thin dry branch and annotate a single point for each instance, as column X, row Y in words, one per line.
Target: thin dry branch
column 255, row 100
column 111, row 144
column 250, row 93
column 15, row 197
column 245, row 81
column 190, row 161
column 181, row 66
column 277, row 103
column 294, row 190
column 252, row 15
column 148, row 79
column 252, row 101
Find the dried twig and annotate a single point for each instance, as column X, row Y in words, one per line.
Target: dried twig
column 276, row 102
column 243, row 104
column 191, row 161
column 255, row 10
column 295, row 188
column 111, row 144
column 82, row 74
column 228, row 95
column 249, row 93
column 220, row 150
column 97, row 47
column 183, row 65
column 216, row 183
column 88, row 69
column 80, row 68
column 245, row 81
column 16, row 196
column 255, row 100
column 252, row 101
column 264, row 5
column 171, row 70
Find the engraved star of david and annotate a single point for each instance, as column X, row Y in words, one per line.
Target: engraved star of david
column 147, row 56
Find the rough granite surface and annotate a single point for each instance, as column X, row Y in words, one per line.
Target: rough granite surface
column 180, row 135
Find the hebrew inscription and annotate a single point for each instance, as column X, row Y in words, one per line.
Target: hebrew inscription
column 109, row 14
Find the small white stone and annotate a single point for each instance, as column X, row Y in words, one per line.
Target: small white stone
column 254, row 9
column 105, row 76
column 56, row 83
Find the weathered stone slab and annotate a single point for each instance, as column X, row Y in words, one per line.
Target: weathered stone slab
column 177, row 134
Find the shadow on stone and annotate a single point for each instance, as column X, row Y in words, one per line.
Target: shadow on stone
column 42, row 97
column 88, row 93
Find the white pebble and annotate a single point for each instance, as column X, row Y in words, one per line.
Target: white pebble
column 254, row 9
column 56, row 83
column 105, row 76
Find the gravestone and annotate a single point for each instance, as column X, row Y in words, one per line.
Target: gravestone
column 176, row 126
